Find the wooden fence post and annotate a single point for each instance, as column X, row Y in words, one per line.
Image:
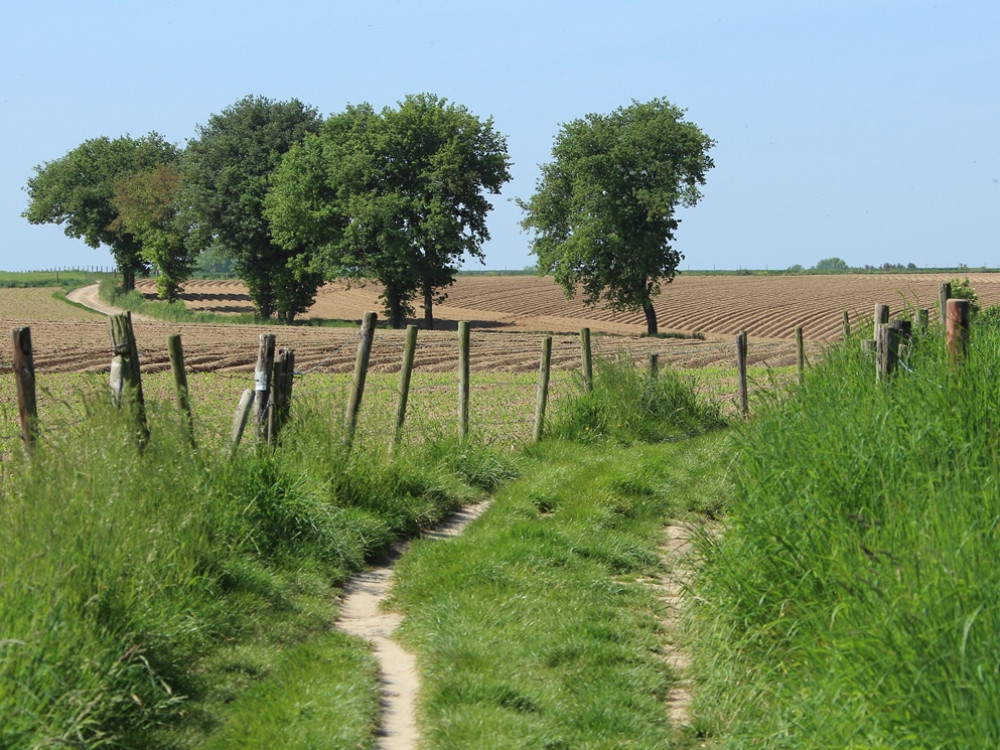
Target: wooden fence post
column 365, row 337
column 801, row 358
column 944, row 294
column 403, row 391
column 887, row 343
column 240, row 420
column 126, row 378
column 282, row 380
column 262, row 384
column 463, row 380
column 847, row 326
column 543, row 387
column 24, row 374
column 176, row 352
column 588, row 361
column 741, row 369
column 922, row 318
column 957, row 328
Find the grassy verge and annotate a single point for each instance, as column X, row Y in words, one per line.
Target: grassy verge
column 853, row 600
column 166, row 599
column 177, row 311
column 535, row 628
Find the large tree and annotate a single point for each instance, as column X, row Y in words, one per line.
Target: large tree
column 397, row 196
column 78, row 190
column 604, row 210
column 148, row 209
column 226, row 172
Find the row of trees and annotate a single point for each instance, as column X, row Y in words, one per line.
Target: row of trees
column 397, row 196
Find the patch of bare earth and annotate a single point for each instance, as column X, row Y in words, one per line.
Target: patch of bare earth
column 675, row 554
column 361, row 615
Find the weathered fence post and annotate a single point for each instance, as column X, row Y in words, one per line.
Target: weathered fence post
column 847, row 326
column 801, row 358
column 403, row 393
column 126, row 379
column 365, row 337
column 24, row 374
column 463, row 380
column 262, row 384
column 922, row 318
column 653, row 365
column 283, row 376
column 588, row 361
column 957, row 328
column 543, row 387
column 887, row 343
column 944, row 294
column 240, row 420
column 741, row 370
column 176, row 352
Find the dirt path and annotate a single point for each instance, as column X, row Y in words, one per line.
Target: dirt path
column 675, row 555
column 360, row 615
column 89, row 297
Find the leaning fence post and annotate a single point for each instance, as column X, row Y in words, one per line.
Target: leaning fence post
column 240, row 420
column 176, row 353
column 262, row 383
column 403, row 393
column 24, row 374
column 957, row 328
column 543, row 387
column 463, row 380
column 365, row 337
column 741, row 369
column 126, row 378
column 588, row 362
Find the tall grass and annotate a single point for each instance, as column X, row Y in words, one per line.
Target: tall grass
column 627, row 405
column 854, row 598
column 131, row 586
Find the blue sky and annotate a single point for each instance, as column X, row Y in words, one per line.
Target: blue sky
column 863, row 129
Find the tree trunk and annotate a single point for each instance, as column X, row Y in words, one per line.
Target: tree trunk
column 128, row 279
column 650, row 312
column 394, row 301
column 428, row 306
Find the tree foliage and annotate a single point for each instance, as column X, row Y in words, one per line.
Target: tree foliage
column 395, row 196
column 831, row 264
column 226, row 173
column 604, row 210
column 78, row 190
column 149, row 210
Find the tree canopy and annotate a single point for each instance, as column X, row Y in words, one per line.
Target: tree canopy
column 395, row 196
column 148, row 209
column 604, row 209
column 226, row 173
column 78, row 190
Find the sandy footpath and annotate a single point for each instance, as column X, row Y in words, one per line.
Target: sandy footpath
column 361, row 615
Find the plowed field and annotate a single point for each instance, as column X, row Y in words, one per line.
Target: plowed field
column 506, row 313
column 767, row 307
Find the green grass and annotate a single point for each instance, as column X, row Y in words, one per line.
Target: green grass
column 65, row 279
column 853, row 599
column 178, row 312
column 534, row 628
column 159, row 600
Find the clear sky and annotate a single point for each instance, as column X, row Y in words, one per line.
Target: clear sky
column 863, row 129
